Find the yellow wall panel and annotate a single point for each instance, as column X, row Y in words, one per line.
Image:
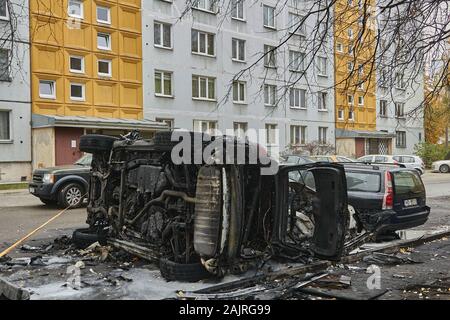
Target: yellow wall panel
column 131, row 70
column 47, row 59
column 106, row 93
column 52, row 8
column 47, row 31
column 134, row 3
column 107, row 112
column 48, row 109
column 129, row 19
column 77, row 110
column 130, row 96
column 130, row 45
column 78, row 37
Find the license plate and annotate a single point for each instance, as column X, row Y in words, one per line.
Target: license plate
column 32, row 190
column 410, row 202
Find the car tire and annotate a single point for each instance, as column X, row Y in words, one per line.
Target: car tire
column 83, row 238
column 95, row 143
column 48, row 202
column 444, row 168
column 71, row 195
column 189, row 272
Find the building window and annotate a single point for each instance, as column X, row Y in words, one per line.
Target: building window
column 383, row 108
column 351, row 115
column 237, row 9
column 269, row 16
column 340, row 114
column 339, row 47
column 297, row 98
column 4, row 13
column 77, row 92
column 361, row 85
column 296, row 61
column 103, row 15
column 163, row 83
column 5, row 125
column 104, row 68
column 350, row 49
column 202, row 42
column 322, row 66
column 350, row 99
column 203, row 88
column 360, row 100
column 205, row 126
column 238, row 49
column 323, row 135
column 270, row 56
column 323, row 97
column 271, row 134
column 103, row 41
column 4, row 65
column 350, row 33
column 205, row 5
column 240, row 129
column 350, row 67
column 162, row 35
column 296, row 24
column 399, row 110
column 76, row 64
column 47, row 89
column 75, row 9
column 298, row 135
column 270, row 95
column 400, row 139
column 239, row 92
column 399, row 81
column 170, row 122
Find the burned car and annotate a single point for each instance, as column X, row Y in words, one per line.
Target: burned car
column 209, row 216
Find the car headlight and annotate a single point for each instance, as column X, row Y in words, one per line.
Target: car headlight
column 48, row 178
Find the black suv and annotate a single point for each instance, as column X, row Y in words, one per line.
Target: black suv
column 386, row 193
column 65, row 186
column 209, row 218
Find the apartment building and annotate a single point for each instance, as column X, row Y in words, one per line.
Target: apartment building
column 15, row 105
column 86, row 64
column 190, row 68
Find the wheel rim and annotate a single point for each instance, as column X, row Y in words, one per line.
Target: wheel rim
column 444, row 169
column 73, row 196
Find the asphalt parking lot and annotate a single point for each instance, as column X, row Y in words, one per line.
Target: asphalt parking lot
column 21, row 213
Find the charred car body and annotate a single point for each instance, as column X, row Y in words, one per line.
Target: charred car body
column 211, row 217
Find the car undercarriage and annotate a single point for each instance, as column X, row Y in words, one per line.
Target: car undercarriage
column 214, row 217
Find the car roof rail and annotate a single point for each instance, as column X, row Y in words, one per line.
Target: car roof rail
column 377, row 164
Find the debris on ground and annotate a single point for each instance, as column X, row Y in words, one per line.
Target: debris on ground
column 388, row 259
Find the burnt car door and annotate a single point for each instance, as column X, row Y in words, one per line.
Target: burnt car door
column 311, row 202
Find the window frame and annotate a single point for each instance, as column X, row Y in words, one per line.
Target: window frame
column 107, row 22
column 101, row 74
column 269, row 127
column 109, row 41
column 163, row 73
column 400, row 143
column 161, row 34
column 298, row 17
column 82, row 71
column 341, row 112
column 10, row 128
column 8, row 71
column 360, row 100
column 302, row 93
column 208, row 122
column 235, row 46
column 269, row 87
column 207, row 39
column 83, row 92
column 240, row 85
column 208, row 79
column 384, row 108
column 302, row 130
column 323, row 99
column 321, row 135
column 166, row 120
column 6, row 17
column 301, row 57
column 267, row 7
column 402, row 115
column 81, row 16
column 237, row 127
column 53, row 86
column 236, row 3
column 270, row 55
column 320, row 72
column 207, row 8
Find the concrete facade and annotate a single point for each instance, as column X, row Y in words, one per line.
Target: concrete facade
column 15, row 105
column 182, row 109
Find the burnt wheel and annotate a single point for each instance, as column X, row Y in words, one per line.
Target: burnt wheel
column 83, row 238
column 95, row 143
column 71, row 195
column 190, row 272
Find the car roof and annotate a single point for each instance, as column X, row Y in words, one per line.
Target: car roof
column 373, row 167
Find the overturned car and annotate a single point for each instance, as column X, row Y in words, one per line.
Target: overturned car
column 210, row 215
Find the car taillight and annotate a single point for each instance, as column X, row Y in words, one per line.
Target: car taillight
column 388, row 199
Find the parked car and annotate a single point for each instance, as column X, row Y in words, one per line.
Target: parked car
column 386, row 192
column 332, row 158
column 202, row 219
column 409, row 161
column 442, row 166
column 63, row 185
column 296, row 159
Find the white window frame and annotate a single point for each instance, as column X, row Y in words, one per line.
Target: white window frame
column 101, row 74
column 83, row 91
column 270, row 92
column 240, row 129
column 6, row 16
column 339, row 47
column 270, row 57
column 237, row 10
column 351, row 115
column 109, row 15
column 240, row 86
column 169, row 121
column 163, row 76
column 296, row 59
column 235, row 46
column 266, row 10
column 361, row 85
column 82, row 71
column 8, row 71
column 399, row 106
column 322, row 62
column 53, row 86
column 350, row 66
column 161, row 34
column 399, row 81
column 80, row 2
column 295, row 93
column 340, row 114
column 301, row 135
column 271, row 127
column 207, row 80
column 323, row 133
column 350, row 33
column 209, row 6
column 360, row 100
column 403, row 140
column 383, row 108
column 211, row 126
column 10, row 135
column 294, row 20
column 350, row 99
column 207, row 44
column 108, row 40
column 322, row 103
